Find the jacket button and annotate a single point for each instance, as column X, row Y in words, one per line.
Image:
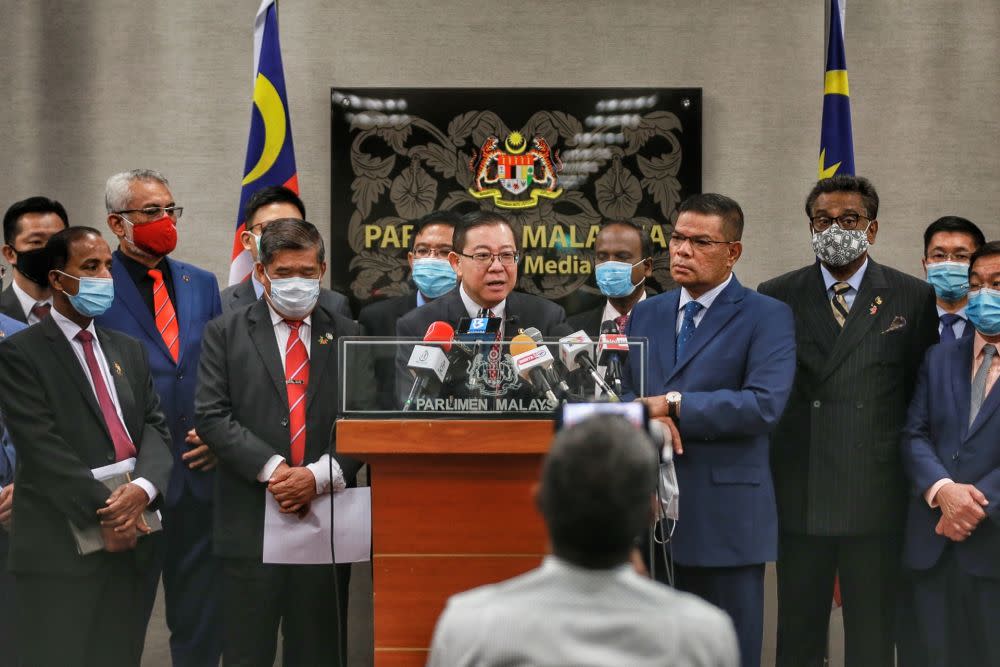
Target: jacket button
column 816, row 404
column 954, row 457
column 284, row 422
column 860, row 405
column 184, row 420
column 111, row 457
column 180, row 376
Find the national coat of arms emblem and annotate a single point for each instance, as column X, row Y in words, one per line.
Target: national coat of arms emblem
column 518, row 170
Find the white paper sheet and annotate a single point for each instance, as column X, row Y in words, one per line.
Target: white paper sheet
column 119, row 468
column 290, row 540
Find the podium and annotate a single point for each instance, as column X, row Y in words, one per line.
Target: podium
column 452, row 509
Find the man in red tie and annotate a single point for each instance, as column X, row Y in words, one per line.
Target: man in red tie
column 76, row 397
column 266, row 404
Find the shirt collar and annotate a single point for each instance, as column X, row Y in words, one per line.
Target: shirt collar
column 277, row 317
column 854, row 281
column 258, row 287
column 553, row 563
column 421, row 299
column 960, row 312
column 473, row 308
column 611, row 313
column 26, row 300
column 708, row 297
column 70, row 328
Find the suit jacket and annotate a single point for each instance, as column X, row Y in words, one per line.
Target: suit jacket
column 8, row 458
column 835, row 454
column 60, row 435
column 938, row 442
column 734, row 375
column 242, row 413
column 242, row 294
column 379, row 319
column 197, row 301
column 588, row 320
column 10, row 306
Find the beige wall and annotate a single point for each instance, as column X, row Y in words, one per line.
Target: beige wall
column 90, row 88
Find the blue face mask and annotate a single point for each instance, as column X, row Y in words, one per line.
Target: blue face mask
column 950, row 279
column 434, row 277
column 984, row 311
column 615, row 278
column 94, row 296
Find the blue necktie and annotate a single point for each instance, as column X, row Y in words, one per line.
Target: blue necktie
column 691, row 309
column 948, row 321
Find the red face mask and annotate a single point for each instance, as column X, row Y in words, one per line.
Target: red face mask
column 158, row 238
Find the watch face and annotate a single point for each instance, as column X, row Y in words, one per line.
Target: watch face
column 673, row 397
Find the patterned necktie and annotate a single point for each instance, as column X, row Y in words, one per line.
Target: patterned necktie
column 979, row 382
column 620, row 322
column 41, row 310
column 296, row 383
column 496, row 351
column 691, row 308
column 947, row 326
column 163, row 312
column 839, row 303
column 119, row 436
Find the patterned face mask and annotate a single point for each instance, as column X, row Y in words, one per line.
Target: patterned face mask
column 838, row 247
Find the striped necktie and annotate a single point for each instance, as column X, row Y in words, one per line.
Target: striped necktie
column 839, row 303
column 163, row 313
column 296, row 384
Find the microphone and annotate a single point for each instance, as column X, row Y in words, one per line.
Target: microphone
column 429, row 362
column 611, row 347
column 531, row 361
column 575, row 352
column 551, row 374
column 476, row 330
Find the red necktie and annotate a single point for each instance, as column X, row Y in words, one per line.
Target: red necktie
column 163, row 311
column 41, row 310
column 296, row 383
column 119, row 436
column 620, row 322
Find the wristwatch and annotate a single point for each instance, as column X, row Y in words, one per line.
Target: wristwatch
column 673, row 400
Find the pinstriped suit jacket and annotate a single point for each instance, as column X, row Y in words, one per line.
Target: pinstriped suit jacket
column 835, row 454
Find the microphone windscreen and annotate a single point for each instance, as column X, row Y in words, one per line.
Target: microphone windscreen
column 440, row 332
column 521, row 343
column 609, row 327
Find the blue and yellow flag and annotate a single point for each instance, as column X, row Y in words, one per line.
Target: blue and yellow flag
column 836, row 143
column 270, row 154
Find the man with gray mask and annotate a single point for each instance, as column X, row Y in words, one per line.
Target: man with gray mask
column 861, row 331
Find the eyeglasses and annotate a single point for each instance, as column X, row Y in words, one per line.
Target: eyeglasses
column 963, row 257
column 848, row 222
column 701, row 243
column 423, row 252
column 507, row 257
column 155, row 212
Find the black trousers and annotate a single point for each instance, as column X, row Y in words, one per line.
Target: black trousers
column 869, row 569
column 257, row 597
column 94, row 620
column 8, row 610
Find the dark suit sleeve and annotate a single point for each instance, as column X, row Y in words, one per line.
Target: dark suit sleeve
column 237, row 447
column 154, row 458
column 30, row 416
column 919, row 456
column 925, row 335
column 756, row 407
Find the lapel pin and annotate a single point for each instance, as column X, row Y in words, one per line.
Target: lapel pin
column 118, row 369
column 3, row 334
column 186, row 278
column 325, row 338
column 875, row 304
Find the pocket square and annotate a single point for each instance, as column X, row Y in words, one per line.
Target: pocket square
column 897, row 323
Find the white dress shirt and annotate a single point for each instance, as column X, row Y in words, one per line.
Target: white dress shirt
column 28, row 302
column 70, row 329
column 706, row 300
column 854, row 281
column 958, row 327
column 611, row 313
column 320, row 468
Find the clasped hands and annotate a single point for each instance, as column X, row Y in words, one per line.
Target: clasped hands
column 293, row 488
column 961, row 510
column 656, row 406
column 121, row 517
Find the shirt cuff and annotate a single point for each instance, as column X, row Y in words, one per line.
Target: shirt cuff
column 321, row 471
column 272, row 464
column 146, row 486
column 931, row 493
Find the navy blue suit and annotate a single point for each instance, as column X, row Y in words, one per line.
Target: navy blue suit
column 190, row 572
column 735, row 375
column 955, row 582
column 8, row 652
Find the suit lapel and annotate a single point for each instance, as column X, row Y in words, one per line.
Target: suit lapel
column 817, row 311
column 990, row 404
column 123, row 389
column 183, row 295
column 724, row 308
column 68, row 360
column 262, row 335
column 8, row 299
column 320, row 353
column 860, row 319
column 960, row 371
column 128, row 293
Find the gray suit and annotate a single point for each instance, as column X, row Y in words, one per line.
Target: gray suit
column 560, row 614
column 243, row 294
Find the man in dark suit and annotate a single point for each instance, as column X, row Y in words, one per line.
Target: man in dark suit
column 8, row 463
column 433, row 276
column 720, row 367
column 75, row 398
column 267, row 204
column 623, row 262
column 948, row 244
column 27, row 226
column 165, row 304
column 266, row 404
column 951, row 453
column 861, row 331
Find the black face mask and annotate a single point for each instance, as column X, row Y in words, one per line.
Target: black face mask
column 34, row 265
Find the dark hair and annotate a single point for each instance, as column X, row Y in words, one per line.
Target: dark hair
column 953, row 223
column 289, row 234
column 711, row 203
column 645, row 241
column 845, row 183
column 986, row 250
column 475, row 219
column 30, row 205
column 59, row 244
column 442, row 217
column 272, row 194
column 597, row 480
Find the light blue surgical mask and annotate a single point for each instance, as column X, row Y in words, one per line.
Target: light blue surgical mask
column 94, row 296
column 294, row 298
column 615, row 278
column 434, row 277
column 950, row 280
column 984, row 311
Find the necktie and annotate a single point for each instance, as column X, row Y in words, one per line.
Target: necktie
column 119, row 436
column 839, row 303
column 41, row 310
column 296, row 383
column 947, row 326
column 493, row 361
column 979, row 381
column 691, row 309
column 163, row 312
column 620, row 322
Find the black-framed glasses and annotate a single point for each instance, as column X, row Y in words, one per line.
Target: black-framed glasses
column 848, row 222
column 697, row 242
column 423, row 252
column 155, row 212
column 507, row 257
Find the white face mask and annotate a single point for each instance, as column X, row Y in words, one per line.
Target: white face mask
column 294, row 298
